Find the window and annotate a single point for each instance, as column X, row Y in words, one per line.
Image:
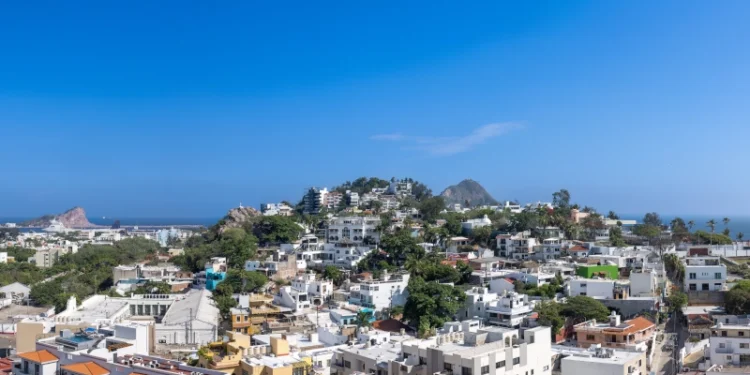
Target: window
column 546, row 367
column 729, row 358
column 692, row 276
column 347, row 364
column 465, row 370
column 704, row 286
column 723, row 333
column 516, row 361
column 693, row 287
column 485, row 370
column 741, row 333
column 589, row 337
column 532, row 372
column 722, row 345
column 244, row 372
column 717, row 276
column 744, row 345
column 500, row 364
column 448, row 367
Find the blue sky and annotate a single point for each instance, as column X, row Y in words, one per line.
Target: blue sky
column 184, row 109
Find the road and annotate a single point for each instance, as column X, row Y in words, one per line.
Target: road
column 671, row 332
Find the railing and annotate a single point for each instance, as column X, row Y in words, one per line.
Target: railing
column 725, row 350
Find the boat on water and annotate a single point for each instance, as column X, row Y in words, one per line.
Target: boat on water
column 55, row 226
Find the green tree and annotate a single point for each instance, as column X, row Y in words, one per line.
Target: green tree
column 481, row 236
column 334, row 274
column 711, row 224
column 582, row 308
column 705, row 238
column 432, row 303
column 224, row 300
column 465, row 271
column 737, row 299
column 561, row 198
column 243, row 281
column 275, row 230
column 740, row 236
column 691, row 224
column 363, row 319
column 430, row 208
column 653, row 219
column 677, row 300
column 549, row 315
column 615, row 237
column 613, row 216
column 237, row 246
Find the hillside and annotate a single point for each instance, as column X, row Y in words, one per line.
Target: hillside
column 467, row 190
column 236, row 217
column 72, row 218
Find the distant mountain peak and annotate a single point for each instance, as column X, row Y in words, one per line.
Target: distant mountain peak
column 467, row 190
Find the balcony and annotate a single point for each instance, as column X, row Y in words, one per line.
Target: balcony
column 725, row 350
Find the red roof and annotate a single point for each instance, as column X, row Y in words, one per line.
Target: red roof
column 702, row 251
column 390, row 325
column 508, row 279
column 578, row 248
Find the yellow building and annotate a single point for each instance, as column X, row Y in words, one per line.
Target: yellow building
column 225, row 356
column 281, row 363
column 261, row 310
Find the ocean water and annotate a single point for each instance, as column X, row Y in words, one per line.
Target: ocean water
column 736, row 223
column 125, row 221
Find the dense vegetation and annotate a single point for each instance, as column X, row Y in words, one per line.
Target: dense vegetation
column 577, row 309
column 89, row 270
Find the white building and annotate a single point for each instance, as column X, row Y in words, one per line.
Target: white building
column 311, row 253
column 509, row 310
column 511, row 206
column 471, row 224
column 305, row 292
column 643, row 283
column 517, row 246
column 274, row 209
column 353, row 198
column 598, row 361
column 477, row 351
column 705, row 274
column 356, row 230
column 729, row 345
column 384, row 293
column 595, row 288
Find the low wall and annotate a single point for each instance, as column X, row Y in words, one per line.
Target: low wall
column 692, row 347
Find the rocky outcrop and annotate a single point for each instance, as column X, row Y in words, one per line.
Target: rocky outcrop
column 467, row 191
column 72, row 218
column 236, row 217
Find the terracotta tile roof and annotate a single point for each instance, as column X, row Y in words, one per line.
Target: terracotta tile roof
column 636, row 325
column 508, row 279
column 86, row 368
column 578, row 248
column 390, row 325
column 41, row 356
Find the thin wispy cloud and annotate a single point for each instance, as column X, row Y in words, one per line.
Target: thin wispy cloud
column 446, row 146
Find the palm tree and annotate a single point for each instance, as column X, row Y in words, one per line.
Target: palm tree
column 415, row 264
column 725, row 221
column 691, row 224
column 711, row 224
column 363, row 319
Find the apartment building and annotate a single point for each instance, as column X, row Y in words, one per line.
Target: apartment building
column 597, row 361
column 631, row 334
column 357, row 230
column 477, row 351
column 253, row 311
column 389, row 291
column 704, row 273
column 516, row 246
column 276, row 209
column 471, row 224
column 729, row 344
column 314, row 200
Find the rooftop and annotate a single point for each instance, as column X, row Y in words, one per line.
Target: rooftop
column 41, row 356
column 86, row 368
column 590, row 355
